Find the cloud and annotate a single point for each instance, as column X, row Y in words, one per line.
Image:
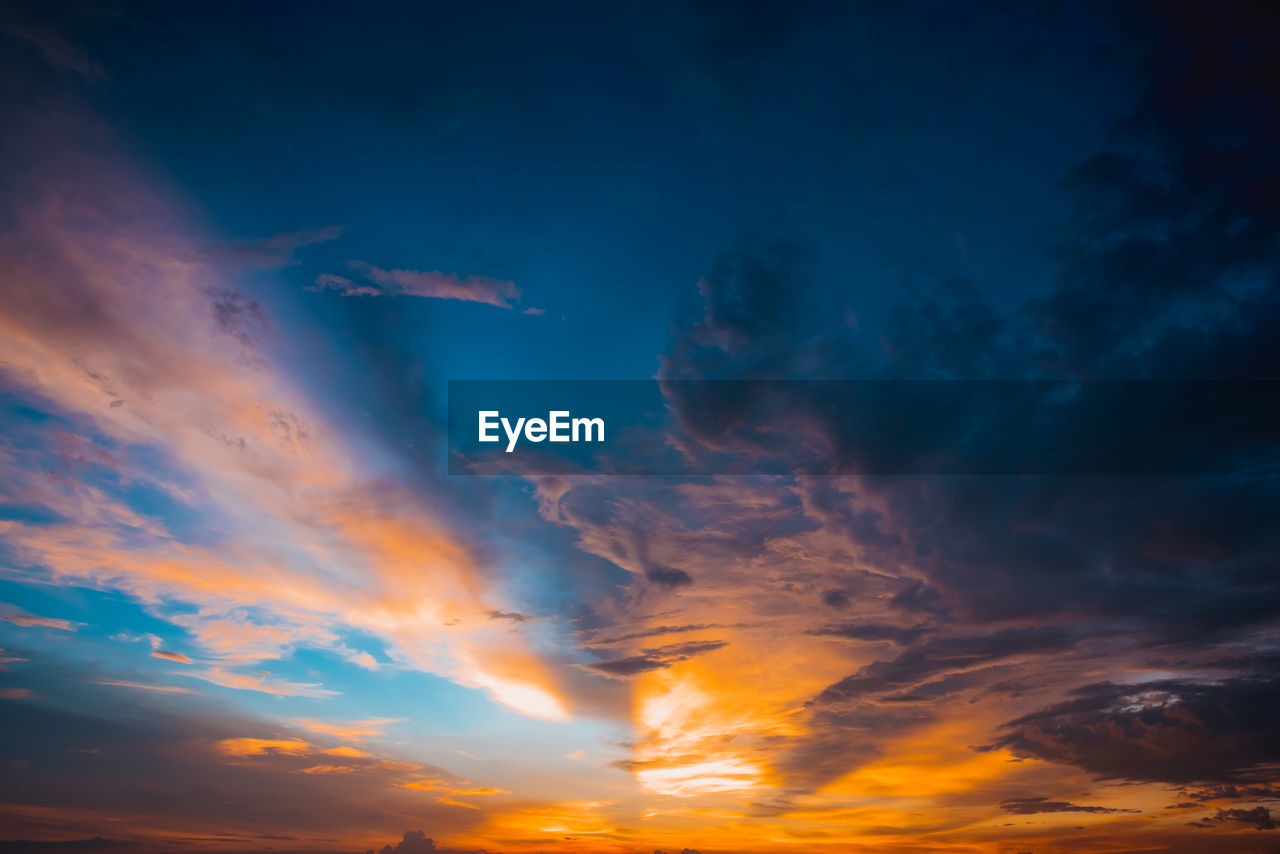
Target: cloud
column 29, row 621
column 417, row 842
column 260, row 746
column 18, row 21
column 945, row 655
column 1035, row 806
column 654, row 659
column 328, row 769
column 344, row 286
column 170, row 655
column 248, row 772
column 414, row 842
column 668, row 577
column 499, row 614
column 1115, row 629
column 1259, row 817
column 429, row 285
column 264, row 683
column 1230, row 792
column 1173, row 731
column 122, row 325
column 354, row 730
column 276, row 251
column 143, row 686
column 348, row 752
column 1022, row 589
column 872, row 632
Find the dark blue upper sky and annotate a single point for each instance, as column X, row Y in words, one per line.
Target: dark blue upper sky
column 603, row 159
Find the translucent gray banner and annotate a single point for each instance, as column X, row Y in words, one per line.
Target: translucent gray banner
column 865, row 427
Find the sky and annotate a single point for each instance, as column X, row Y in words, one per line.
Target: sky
column 244, row 607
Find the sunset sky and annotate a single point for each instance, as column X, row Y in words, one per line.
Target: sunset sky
column 244, row 607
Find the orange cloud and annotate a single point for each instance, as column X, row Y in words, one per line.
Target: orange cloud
column 451, row 802
column 353, row 730
column 171, row 656
column 260, row 746
column 348, row 752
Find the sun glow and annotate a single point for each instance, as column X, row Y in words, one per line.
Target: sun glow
column 686, row 733
column 524, row 697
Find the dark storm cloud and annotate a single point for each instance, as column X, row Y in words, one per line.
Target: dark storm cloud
column 944, row 655
column 1187, row 215
column 1163, row 273
column 1168, row 731
column 1166, row 269
column 654, row 659
column 753, row 329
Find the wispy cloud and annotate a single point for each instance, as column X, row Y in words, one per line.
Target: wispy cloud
column 118, row 320
column 377, row 281
column 57, row 50
column 353, row 730
column 29, row 621
column 143, row 686
column 170, row 656
column 273, row 252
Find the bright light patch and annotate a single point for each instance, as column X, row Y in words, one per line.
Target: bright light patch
column 524, row 697
column 700, row 778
